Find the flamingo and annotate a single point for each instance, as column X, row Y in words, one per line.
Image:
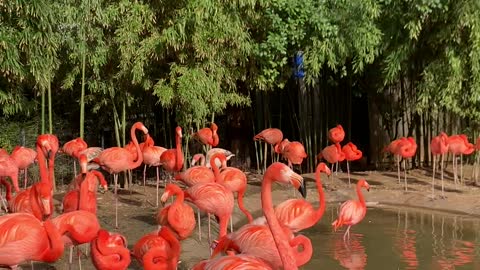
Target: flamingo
column 351, row 256
column 213, row 151
column 406, row 149
column 172, row 159
column 212, row 198
column 23, row 157
column 178, row 216
column 351, row 153
column 294, row 152
column 196, row 174
column 53, row 147
column 151, row 157
column 299, row 214
column 233, row 179
column 109, row 251
column 38, row 199
column 332, row 154
column 238, row 262
column 158, row 250
column 336, row 136
column 208, row 136
column 273, row 243
column 72, row 148
column 351, row 211
column 84, row 198
column 272, row 136
column 8, row 167
column 117, row 159
column 438, row 146
column 25, row 238
column 85, row 224
column 392, row 148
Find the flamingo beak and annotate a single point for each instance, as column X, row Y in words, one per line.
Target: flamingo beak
column 368, row 189
column 46, row 206
column 49, row 152
column 303, row 189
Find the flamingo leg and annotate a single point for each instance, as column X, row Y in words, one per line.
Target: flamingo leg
column 70, row 257
column 199, row 226
column 158, row 182
column 74, row 168
column 115, row 180
column 461, row 169
column 144, row 181
column 231, row 223
column 265, row 158
column 405, row 174
column 4, row 203
column 454, row 167
column 397, row 160
column 346, row 234
column 348, row 172
column 25, row 175
column 441, row 169
column 272, row 153
column 79, row 261
column 433, row 176
column 336, row 168
column 209, row 232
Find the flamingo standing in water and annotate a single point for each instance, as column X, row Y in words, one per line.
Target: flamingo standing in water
column 351, row 211
column 151, row 157
column 438, row 146
column 172, row 159
column 273, row 243
column 178, row 216
column 109, row 251
column 351, row 153
column 233, row 179
column 117, row 159
column 23, row 157
column 158, row 250
column 272, row 136
column 299, row 214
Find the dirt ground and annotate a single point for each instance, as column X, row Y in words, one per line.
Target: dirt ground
column 136, row 217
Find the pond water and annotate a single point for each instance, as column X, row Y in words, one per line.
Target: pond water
column 397, row 239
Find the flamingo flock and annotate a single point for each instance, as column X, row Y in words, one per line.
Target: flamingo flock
column 33, row 231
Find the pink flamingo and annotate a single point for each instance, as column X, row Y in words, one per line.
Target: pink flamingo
column 72, row 148
column 117, row 159
column 275, row 244
column 458, row 145
column 172, row 159
column 351, row 153
column 8, row 167
column 406, row 149
column 336, row 136
column 392, row 148
column 238, row 262
column 294, row 152
column 23, row 157
column 178, row 216
column 158, row 250
column 109, row 251
column 196, row 174
column 214, row 151
column 438, row 146
column 351, row 211
column 212, row 198
column 208, row 136
column 299, row 214
column 151, row 157
column 52, row 151
column 272, row 136
column 332, row 154
column 233, row 179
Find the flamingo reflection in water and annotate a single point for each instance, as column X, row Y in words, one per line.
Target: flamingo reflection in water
column 406, row 246
column 462, row 253
column 350, row 255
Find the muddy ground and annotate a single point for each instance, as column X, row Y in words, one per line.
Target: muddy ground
column 136, row 217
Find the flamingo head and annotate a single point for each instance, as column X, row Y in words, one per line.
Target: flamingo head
column 170, row 190
column 322, row 167
column 282, row 174
column 45, row 145
column 141, row 126
column 83, row 163
column 363, row 183
column 214, row 127
column 196, row 158
column 44, row 191
column 178, row 130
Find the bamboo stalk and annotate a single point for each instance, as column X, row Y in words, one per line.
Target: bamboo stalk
column 43, row 109
column 50, row 110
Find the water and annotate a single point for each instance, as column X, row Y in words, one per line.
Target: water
column 397, row 239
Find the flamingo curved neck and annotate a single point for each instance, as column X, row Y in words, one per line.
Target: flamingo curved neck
column 56, row 247
column 180, row 196
column 83, row 196
column 42, row 164
column 139, row 160
column 284, row 249
column 34, row 202
column 304, row 256
column 361, row 199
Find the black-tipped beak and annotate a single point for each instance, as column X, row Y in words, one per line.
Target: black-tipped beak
column 162, row 203
column 49, row 153
column 303, row 189
column 368, row 189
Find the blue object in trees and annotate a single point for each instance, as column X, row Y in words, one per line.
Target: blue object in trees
column 298, row 71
